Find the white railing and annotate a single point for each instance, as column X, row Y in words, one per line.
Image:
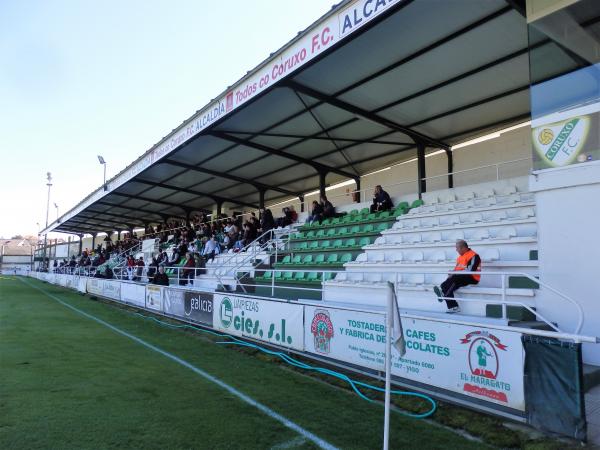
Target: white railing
column 390, row 187
column 396, row 281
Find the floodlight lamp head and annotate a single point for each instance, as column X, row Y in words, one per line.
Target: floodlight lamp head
column 101, row 160
column 49, row 176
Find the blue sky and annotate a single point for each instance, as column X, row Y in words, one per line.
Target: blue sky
column 80, row 78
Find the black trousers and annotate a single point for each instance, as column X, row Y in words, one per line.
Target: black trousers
column 454, row 282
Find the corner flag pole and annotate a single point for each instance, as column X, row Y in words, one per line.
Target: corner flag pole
column 389, row 323
column 393, row 334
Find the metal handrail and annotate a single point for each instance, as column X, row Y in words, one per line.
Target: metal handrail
column 503, row 301
column 252, row 255
column 497, row 165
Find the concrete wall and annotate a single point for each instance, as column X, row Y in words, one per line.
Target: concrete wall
column 569, row 246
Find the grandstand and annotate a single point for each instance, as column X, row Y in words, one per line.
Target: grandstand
column 440, row 111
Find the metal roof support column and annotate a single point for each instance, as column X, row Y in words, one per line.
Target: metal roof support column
column 93, row 241
column 357, row 191
column 80, row 243
column 450, row 169
column 261, row 201
column 322, row 177
column 301, row 197
column 421, row 182
column 219, row 209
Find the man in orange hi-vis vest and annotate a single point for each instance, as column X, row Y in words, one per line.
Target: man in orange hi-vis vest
column 467, row 260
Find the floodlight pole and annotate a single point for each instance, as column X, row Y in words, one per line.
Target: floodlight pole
column 102, row 161
column 49, row 184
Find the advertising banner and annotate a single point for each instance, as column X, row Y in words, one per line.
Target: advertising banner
column 198, row 307
column 271, row 321
column 69, row 280
column 81, row 284
column 154, row 296
column 95, row 286
column 189, row 305
column 111, row 289
column 173, row 302
column 478, row 362
column 134, row 294
column 566, row 137
column 61, row 279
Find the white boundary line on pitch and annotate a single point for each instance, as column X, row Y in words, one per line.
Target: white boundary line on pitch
column 268, row 411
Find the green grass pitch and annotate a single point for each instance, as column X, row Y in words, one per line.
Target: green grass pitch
column 67, row 381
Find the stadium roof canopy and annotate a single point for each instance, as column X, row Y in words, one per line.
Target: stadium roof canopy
column 369, row 83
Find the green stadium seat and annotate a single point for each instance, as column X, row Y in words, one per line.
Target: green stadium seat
column 381, row 227
column 355, row 229
column 320, row 259
column 358, row 218
column 286, row 259
column 310, row 234
column 353, row 212
column 328, row 276
column 399, row 212
column 403, row 205
column 343, row 231
column 325, row 245
column 313, row 245
column 335, row 221
column 297, row 259
column 266, row 276
column 372, row 216
column 346, row 257
column 368, row 228
column 330, row 232
column 298, row 235
column 347, row 218
column 384, row 215
column 299, row 276
column 338, row 243
column 278, row 275
column 288, row 275
column 418, row 202
column 308, row 259
column 302, row 246
column 332, row 259
column 350, row 243
column 325, row 222
column 365, row 211
column 312, row 276
column 364, row 241
column 320, row 234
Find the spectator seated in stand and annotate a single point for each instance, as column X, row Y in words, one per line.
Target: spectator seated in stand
column 468, row 261
column 381, row 200
column 161, row 278
column 287, row 218
column 211, row 248
column 139, row 268
column 188, row 271
column 328, row 208
column 316, row 213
